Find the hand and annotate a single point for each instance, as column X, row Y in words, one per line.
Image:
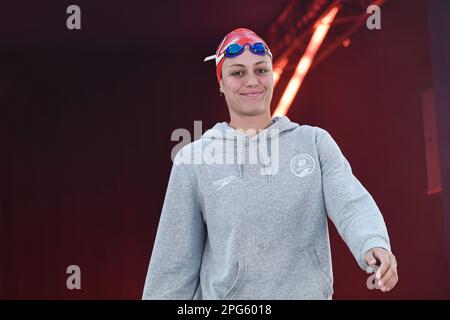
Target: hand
column 386, row 275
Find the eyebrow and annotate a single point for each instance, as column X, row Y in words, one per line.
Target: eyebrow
column 241, row 65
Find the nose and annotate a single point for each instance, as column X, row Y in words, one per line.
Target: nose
column 252, row 80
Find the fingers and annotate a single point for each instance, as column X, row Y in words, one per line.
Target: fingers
column 370, row 258
column 389, row 284
column 386, row 275
column 383, row 256
column 390, row 278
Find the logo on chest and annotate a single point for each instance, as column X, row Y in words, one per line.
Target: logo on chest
column 219, row 184
column 302, row 165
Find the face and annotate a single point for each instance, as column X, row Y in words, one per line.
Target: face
column 247, row 83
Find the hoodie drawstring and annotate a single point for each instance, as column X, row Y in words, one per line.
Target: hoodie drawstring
column 269, row 151
column 241, row 166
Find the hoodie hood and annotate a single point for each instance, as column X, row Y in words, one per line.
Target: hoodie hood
column 279, row 127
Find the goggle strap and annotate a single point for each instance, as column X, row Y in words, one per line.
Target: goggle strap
column 219, row 58
column 210, row 58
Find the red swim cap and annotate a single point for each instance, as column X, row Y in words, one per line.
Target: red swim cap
column 240, row 36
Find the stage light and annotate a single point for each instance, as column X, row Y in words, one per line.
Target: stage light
column 346, row 43
column 320, row 31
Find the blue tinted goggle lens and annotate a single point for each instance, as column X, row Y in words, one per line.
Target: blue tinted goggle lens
column 258, row 48
column 236, row 49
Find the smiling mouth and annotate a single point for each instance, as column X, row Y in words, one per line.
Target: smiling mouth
column 252, row 95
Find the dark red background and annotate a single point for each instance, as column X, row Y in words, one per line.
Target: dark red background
column 86, row 120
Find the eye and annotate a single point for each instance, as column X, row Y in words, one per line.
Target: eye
column 237, row 73
column 261, row 71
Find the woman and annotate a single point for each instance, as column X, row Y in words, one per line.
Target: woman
column 259, row 231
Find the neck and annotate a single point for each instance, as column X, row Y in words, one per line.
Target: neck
column 256, row 123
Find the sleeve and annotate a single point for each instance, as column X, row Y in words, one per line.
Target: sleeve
column 173, row 271
column 348, row 204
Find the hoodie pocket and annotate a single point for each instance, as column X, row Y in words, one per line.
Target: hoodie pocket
column 315, row 262
column 238, row 281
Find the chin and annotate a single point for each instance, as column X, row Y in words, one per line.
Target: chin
column 253, row 110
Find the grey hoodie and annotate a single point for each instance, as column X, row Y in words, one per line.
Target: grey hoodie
column 259, row 231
